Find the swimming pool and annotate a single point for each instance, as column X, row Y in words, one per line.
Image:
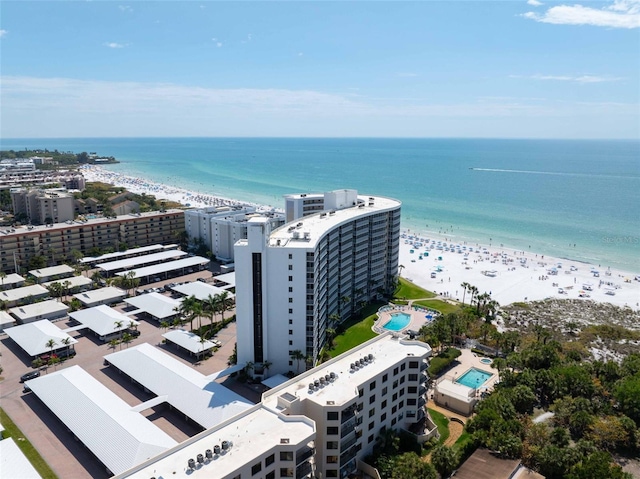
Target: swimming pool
column 486, row 361
column 398, row 322
column 474, row 378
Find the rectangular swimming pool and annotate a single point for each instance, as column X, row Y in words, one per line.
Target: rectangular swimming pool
column 474, row 378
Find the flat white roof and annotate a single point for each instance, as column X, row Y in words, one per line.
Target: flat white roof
column 102, row 294
column 24, row 292
column 386, row 350
column 200, row 290
column 168, row 266
column 205, row 402
column 189, row 341
column 229, row 278
column 52, row 271
column 38, row 309
column 252, row 435
column 102, row 320
column 275, row 381
column 76, row 281
column 131, row 263
column 318, row 224
column 456, row 390
column 12, row 278
column 122, row 254
column 33, row 337
column 106, row 425
column 6, row 319
column 156, row 304
column 13, row 463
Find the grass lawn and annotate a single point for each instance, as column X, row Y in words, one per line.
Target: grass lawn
column 439, row 305
column 442, row 423
column 11, row 430
column 408, row 290
column 355, row 334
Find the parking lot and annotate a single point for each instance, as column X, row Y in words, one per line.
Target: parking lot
column 67, row 456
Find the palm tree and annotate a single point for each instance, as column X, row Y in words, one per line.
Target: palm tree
column 55, row 289
column 96, row 278
column 66, row 341
column 334, row 318
column 164, row 325
column 225, row 303
column 400, row 268
column 66, row 284
column 266, row 364
column 211, row 305
column 474, row 291
column 331, row 334
column 126, row 338
column 3, row 275
column 465, row 287
column 297, row 356
column 51, row 344
column 118, row 324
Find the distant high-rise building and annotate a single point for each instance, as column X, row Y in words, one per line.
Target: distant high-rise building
column 295, row 282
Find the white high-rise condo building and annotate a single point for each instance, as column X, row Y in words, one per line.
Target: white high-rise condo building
column 295, row 282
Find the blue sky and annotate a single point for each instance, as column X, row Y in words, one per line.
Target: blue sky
column 508, row 69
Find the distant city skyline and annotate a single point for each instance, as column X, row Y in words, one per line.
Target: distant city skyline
column 510, row 69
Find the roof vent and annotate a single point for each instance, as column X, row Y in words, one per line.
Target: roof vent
column 191, row 464
column 208, row 454
column 225, row 445
column 200, row 458
column 216, row 449
column 284, row 440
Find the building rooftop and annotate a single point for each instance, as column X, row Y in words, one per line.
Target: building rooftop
column 383, row 348
column 13, row 463
column 120, row 254
column 155, row 304
column 251, row 435
column 12, row 278
column 135, row 261
column 229, row 278
column 87, row 222
column 52, row 271
column 38, row 309
column 33, row 337
column 484, row 465
column 204, row 401
column 307, row 231
column 119, row 437
column 12, row 295
column 200, row 290
column 102, row 294
column 167, row 266
column 76, row 281
column 189, row 341
column 103, row 320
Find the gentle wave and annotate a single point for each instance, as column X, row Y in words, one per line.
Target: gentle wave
column 554, row 173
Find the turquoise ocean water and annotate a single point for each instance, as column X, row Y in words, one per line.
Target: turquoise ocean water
column 538, row 195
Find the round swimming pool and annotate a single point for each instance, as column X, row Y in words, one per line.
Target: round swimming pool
column 486, row 361
column 398, row 322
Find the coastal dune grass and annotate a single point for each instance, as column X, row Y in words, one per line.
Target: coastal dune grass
column 11, row 430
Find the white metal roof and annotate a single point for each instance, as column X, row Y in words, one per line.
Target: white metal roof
column 106, row 425
column 34, row 310
column 205, row 402
column 75, row 281
column 33, row 337
column 168, row 266
column 130, row 263
column 275, row 381
column 6, row 319
column 102, row 320
column 17, row 294
column 52, row 271
column 200, row 290
column 122, row 254
column 156, row 304
column 102, row 294
column 12, row 278
column 189, row 341
column 13, row 463
column 252, row 435
column 229, row 278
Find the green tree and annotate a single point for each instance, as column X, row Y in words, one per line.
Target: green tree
column 297, row 356
column 627, row 393
column 410, row 466
column 37, row 262
column 444, row 459
column 598, row 465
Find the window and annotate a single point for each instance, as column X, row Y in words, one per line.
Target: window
column 384, row 391
column 411, row 402
column 256, row 468
column 286, row 455
column 270, row 475
column 332, row 459
column 412, row 390
column 360, row 393
column 291, row 331
column 394, row 421
column 395, row 384
column 395, row 371
column 290, row 256
column 290, row 267
column 332, row 444
column 401, row 379
column 372, row 412
column 372, row 386
column 331, row 473
column 286, row 472
column 290, row 278
column 370, row 439
column 401, row 404
column 384, row 404
column 270, row 460
column 332, row 416
column 401, row 391
column 291, row 321
column 403, row 366
column 331, row 430
column 384, row 378
column 372, row 399
column 290, row 343
column 413, row 364
column 291, row 300
column 291, row 289
column 394, row 409
column 290, row 310
column 372, row 424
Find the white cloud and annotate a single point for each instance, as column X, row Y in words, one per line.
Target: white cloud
column 114, row 45
column 125, row 8
column 571, row 78
column 3, row 33
column 621, row 14
column 534, row 3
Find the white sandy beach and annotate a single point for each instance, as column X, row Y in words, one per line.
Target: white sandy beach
column 508, row 275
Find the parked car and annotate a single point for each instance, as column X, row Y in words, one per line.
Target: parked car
column 202, row 280
column 29, row 375
column 133, row 332
column 67, row 353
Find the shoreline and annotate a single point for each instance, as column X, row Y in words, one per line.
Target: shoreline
column 516, row 275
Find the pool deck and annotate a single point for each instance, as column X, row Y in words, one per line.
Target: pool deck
column 417, row 313
column 466, row 361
